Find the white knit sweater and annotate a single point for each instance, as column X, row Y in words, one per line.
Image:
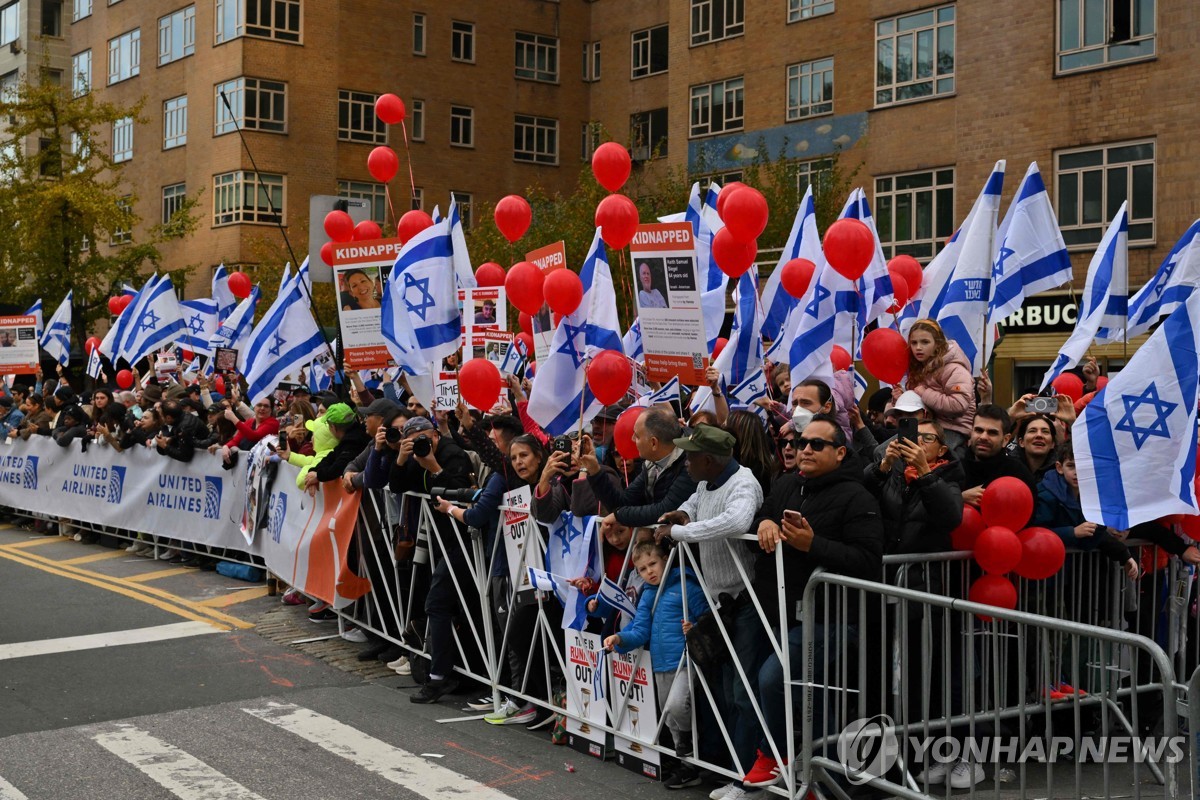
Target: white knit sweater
column 716, row 515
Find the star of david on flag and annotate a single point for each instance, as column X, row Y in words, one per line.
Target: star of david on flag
column 200, row 323
column 571, row 552
column 420, row 317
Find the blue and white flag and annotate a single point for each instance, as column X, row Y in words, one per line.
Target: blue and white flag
column 421, row 319
column 571, row 552
column 317, row 379
column 776, row 302
column 237, row 326
column 514, row 359
column 669, row 393
column 803, row 242
column 126, row 289
column 963, row 304
column 745, row 393
column 94, row 365
column 1104, row 296
column 200, row 319
column 1170, row 287
column 561, row 399
column 463, row 271
column 743, row 354
column 1031, row 256
column 543, row 581
column 56, row 340
column 35, row 311
column 110, row 344
column 1135, row 443
column 156, row 321
column 285, row 340
column 222, row 295
column 616, row 597
column 632, row 341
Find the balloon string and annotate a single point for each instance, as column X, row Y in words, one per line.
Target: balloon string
column 387, row 193
column 412, row 181
column 626, row 281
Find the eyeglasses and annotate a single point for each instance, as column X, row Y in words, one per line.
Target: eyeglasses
column 817, row 445
column 929, row 438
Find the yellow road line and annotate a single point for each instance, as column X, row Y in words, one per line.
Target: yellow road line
column 233, row 598
column 37, row 542
column 105, row 556
column 162, row 573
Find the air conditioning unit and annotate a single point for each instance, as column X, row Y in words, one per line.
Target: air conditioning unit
column 640, row 153
column 14, row 47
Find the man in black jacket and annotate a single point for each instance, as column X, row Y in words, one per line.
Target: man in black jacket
column 179, row 433
column 986, row 457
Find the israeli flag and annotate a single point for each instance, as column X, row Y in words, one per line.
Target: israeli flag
column 632, row 341
column 542, row 581
column 875, row 293
column 745, row 393
column 1170, row 287
column 286, row 278
column 802, row 242
column 200, row 323
column 560, row 391
column 1104, row 299
column 463, row 271
column 222, row 295
column 963, row 306
column 94, row 365
column 1135, row 443
column 669, row 393
column 825, row 317
column 56, row 340
column 1031, row 256
column 110, row 344
column 572, row 553
column 126, row 289
column 616, row 597
column 35, row 311
column 743, row 354
column 156, row 321
column 237, row 326
column 421, row 319
column 286, row 339
column 514, row 359
column 316, row 377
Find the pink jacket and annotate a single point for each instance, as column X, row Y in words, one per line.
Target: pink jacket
column 949, row 395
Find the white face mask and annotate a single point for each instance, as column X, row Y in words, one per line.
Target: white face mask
column 800, row 419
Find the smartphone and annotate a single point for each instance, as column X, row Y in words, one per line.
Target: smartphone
column 793, row 517
column 906, row 429
column 272, row 448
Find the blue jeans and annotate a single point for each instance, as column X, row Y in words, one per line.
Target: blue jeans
column 750, row 648
column 771, row 682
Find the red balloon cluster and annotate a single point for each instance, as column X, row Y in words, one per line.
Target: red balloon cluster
column 849, row 247
column 339, row 226
column 524, row 286
column 909, row 270
column 412, row 223
column 963, row 537
column 885, row 354
column 611, row 165
column 900, row 294
column 479, row 383
column 617, row 219
column 623, row 432
column 240, row 285
column 797, row 276
column 744, row 211
column 489, row 273
column 513, row 216
column 609, row 376
column 563, row 291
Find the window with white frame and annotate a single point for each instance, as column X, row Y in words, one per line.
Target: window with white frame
column 416, row 115
column 122, row 139
column 80, row 9
column 648, row 134
column 817, row 173
column 465, row 203
column 10, row 22
column 356, row 118
column 462, row 41
column 417, row 199
column 714, row 20
column 648, row 51
column 418, row 34
column 81, row 149
column 536, row 57
column 177, row 35
column 589, row 140
column 81, row 73
column 373, row 193
column 124, row 56
column 462, row 126
column 914, row 212
column 257, row 104
column 244, row 196
column 262, row 19
column 175, row 114
column 1095, row 33
column 914, row 56
column 717, row 107
column 810, row 89
column 174, row 197
column 123, row 233
column 10, row 86
column 591, row 61
column 805, row 9
column 1092, row 182
column 535, row 139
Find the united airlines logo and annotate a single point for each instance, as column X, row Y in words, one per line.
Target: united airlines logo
column 116, row 484
column 212, row 497
column 101, row 483
column 191, row 495
column 277, row 515
column 29, row 476
column 19, row 471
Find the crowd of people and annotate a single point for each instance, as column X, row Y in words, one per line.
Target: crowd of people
column 833, row 484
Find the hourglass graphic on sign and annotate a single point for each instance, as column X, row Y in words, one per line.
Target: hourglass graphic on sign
column 586, row 702
column 634, row 728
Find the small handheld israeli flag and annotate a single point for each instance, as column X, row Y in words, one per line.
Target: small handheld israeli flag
column 615, row 596
column 542, row 581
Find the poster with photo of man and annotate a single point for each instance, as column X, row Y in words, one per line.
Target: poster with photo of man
column 668, row 302
column 18, row 345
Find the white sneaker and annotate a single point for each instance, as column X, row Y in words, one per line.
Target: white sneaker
column 724, row 792
column 168, row 554
column 133, row 548
column 356, row 635
column 736, row 792
column 965, row 775
column 934, row 774
column 508, row 709
column 402, row 661
column 404, row 669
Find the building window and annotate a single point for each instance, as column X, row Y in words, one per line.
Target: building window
column 418, row 34
column 1093, row 33
column 122, row 139
column 52, row 11
column 537, row 57
column 243, row 196
column 713, row 20
column 81, row 149
column 123, row 233
column 175, row 122
column 817, row 173
column 914, row 212
column 465, row 205
column 10, row 23
column 173, row 198
column 914, row 56
column 717, row 107
column 1093, row 182
column 462, row 41
column 416, row 114
column 356, row 118
column 810, row 89
column 535, row 139
column 374, row 193
column 462, row 126
column 80, row 9
column 177, row 35
column 648, row 134
column 591, row 61
column 257, row 104
column 648, row 51
column 124, row 56
column 804, row 9
column 589, row 140
column 81, row 73
column 262, row 19
column 417, row 199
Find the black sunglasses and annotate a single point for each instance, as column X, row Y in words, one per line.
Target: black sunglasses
column 817, row 445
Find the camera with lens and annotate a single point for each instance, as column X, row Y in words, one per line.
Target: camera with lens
column 422, row 446
column 561, row 444
column 454, row 495
column 393, row 435
column 1042, row 405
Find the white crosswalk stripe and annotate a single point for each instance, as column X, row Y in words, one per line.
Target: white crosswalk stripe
column 10, row 792
column 401, row 767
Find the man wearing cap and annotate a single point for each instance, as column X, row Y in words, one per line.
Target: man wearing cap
column 602, row 429
column 177, row 438
column 381, row 412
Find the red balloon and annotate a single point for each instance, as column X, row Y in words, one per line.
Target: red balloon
column 489, row 273
column 719, row 346
column 125, row 300
column 1101, row 382
column 557, row 319
column 526, row 340
column 993, row 590
column 617, row 218
column 563, row 291
column 513, row 216
column 186, row 355
column 963, row 537
column 885, row 354
column 390, row 109
column 91, row 344
column 796, row 276
column 839, row 358
column 900, row 293
column 623, row 432
column 125, row 379
column 525, row 323
column 610, row 165
column 523, row 284
column 1007, row 502
column 727, row 192
column 908, row 268
column 998, row 550
column 849, row 247
column 327, row 253
column 383, row 163
column 412, row 223
column 367, row 230
column 746, row 214
column 219, row 384
column 1042, row 553
column 479, row 383
column 733, row 257
column 1190, row 525
column 609, row 376
column 114, row 305
column 338, row 226
column 239, row 284
column 1069, row 384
